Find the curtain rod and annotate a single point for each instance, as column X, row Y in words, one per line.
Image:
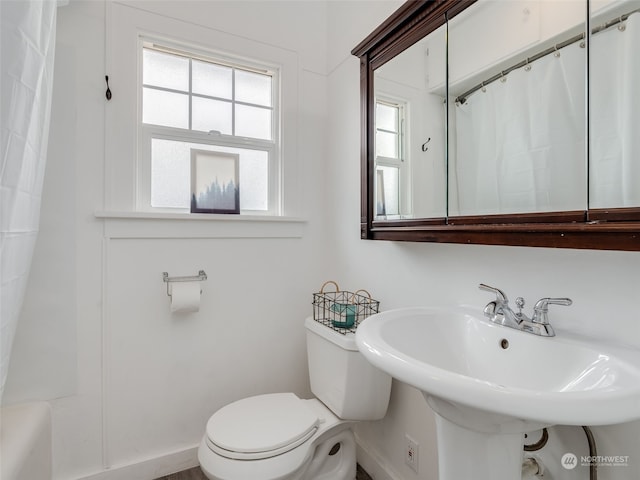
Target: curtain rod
column 461, row 99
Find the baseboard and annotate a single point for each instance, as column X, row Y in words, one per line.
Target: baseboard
column 178, row 461
column 150, row 468
column 371, row 461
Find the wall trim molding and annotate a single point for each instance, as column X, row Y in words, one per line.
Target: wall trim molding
column 164, row 225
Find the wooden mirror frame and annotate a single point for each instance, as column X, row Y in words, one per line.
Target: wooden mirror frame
column 599, row 229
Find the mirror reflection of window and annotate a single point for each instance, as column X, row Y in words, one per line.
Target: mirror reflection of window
column 390, row 161
column 388, row 130
column 388, row 191
column 410, row 131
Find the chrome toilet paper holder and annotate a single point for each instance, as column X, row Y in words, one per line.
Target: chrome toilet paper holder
column 202, row 276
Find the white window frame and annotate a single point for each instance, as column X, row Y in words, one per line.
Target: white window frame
column 148, row 132
column 127, row 172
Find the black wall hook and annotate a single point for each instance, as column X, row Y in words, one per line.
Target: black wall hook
column 108, row 92
column 424, row 145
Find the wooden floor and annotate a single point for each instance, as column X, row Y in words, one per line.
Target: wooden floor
column 192, row 474
column 196, row 474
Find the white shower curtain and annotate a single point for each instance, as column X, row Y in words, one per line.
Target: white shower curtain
column 614, row 179
column 520, row 143
column 27, row 30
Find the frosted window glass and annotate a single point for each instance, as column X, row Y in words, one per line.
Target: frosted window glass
column 253, row 88
column 254, row 174
column 211, row 115
column 165, row 70
column 386, row 144
column 171, row 174
column 212, row 80
column 386, row 117
column 165, row 108
column 253, row 122
column 390, row 190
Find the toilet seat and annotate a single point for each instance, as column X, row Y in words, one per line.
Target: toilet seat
column 261, row 427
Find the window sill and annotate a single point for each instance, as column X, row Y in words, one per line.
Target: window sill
column 186, row 225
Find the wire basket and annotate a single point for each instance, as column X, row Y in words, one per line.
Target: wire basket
column 341, row 310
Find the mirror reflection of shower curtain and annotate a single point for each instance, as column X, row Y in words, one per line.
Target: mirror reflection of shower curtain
column 520, row 142
column 614, row 179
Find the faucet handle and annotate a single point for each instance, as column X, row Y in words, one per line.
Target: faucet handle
column 541, row 308
column 501, row 297
column 519, row 304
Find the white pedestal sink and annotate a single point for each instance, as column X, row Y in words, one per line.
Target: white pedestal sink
column 489, row 384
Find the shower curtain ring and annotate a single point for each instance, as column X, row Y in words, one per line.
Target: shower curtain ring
column 484, row 89
column 527, row 67
column 621, row 26
column 503, row 79
column 556, row 52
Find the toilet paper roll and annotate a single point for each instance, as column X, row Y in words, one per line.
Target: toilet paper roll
column 185, row 297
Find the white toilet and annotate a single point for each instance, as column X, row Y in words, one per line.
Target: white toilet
column 280, row 436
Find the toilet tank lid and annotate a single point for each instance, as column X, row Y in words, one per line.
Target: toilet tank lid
column 262, row 423
column 346, row 341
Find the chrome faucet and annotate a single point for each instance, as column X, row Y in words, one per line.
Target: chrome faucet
column 500, row 312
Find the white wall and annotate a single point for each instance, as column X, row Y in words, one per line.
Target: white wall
column 130, row 384
column 143, row 382
column 603, row 285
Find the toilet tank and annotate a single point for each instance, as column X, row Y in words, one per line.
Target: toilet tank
column 342, row 378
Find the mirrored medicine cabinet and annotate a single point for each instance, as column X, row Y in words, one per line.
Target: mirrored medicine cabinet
column 503, row 123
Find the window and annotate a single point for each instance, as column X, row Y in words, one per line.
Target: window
column 191, row 101
column 390, row 157
column 147, row 153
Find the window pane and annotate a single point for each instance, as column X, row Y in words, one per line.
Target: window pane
column 253, row 88
column 387, row 144
column 387, row 191
column 171, row 174
column 386, row 117
column 253, row 122
column 211, row 115
column 254, row 177
column 212, row 80
column 165, row 108
column 165, row 70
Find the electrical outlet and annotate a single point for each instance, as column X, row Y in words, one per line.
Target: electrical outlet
column 411, row 453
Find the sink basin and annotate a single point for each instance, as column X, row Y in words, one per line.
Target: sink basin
column 489, row 383
column 459, row 356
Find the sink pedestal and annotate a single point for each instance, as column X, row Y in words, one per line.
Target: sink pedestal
column 475, row 444
column 465, row 454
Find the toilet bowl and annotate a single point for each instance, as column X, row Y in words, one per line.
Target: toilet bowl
column 281, row 444
column 282, row 437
